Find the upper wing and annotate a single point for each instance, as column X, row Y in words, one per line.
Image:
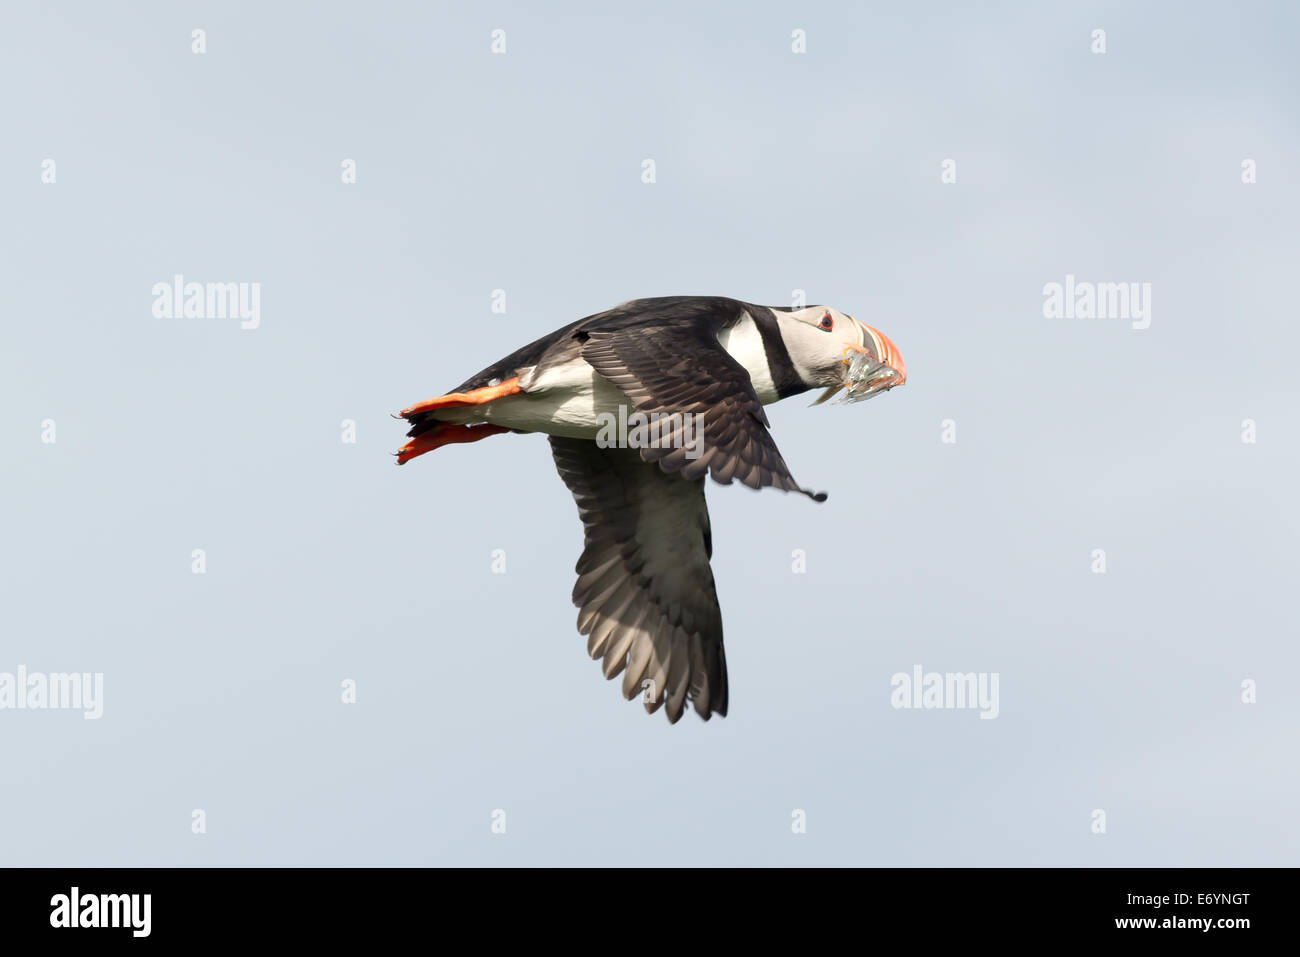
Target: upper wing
column 645, row 590
column 666, row 359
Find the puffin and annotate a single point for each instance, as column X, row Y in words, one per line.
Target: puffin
column 640, row 403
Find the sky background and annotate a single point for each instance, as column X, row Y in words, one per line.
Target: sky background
column 775, row 171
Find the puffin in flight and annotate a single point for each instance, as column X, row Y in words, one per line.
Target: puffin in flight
column 640, row 403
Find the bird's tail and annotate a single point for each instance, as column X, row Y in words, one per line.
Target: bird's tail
column 429, row 433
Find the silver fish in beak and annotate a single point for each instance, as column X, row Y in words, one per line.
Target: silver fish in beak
column 873, row 366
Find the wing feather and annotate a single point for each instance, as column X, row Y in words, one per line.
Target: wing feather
column 666, row 357
column 645, row 592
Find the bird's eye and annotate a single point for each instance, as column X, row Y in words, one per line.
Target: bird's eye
column 827, row 322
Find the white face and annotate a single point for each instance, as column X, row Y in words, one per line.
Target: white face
column 819, row 339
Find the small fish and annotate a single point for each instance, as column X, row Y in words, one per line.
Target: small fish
column 864, row 377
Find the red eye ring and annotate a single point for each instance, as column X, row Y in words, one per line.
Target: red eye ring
column 827, row 322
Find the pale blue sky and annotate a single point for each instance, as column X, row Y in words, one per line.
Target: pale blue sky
column 775, row 172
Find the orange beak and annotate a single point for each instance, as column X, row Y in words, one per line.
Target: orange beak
column 885, row 351
column 886, row 370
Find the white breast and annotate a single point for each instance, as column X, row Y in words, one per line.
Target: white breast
column 568, row 399
column 563, row 400
column 745, row 345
